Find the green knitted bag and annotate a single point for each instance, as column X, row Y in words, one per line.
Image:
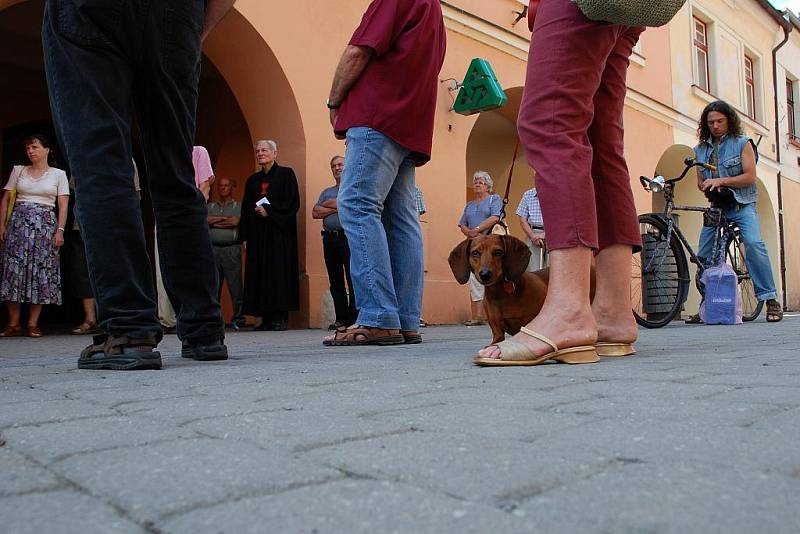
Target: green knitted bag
column 631, row 12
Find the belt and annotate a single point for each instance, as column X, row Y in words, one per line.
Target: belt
column 225, row 244
column 333, row 233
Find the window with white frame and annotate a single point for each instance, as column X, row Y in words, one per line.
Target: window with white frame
column 701, row 54
column 791, row 110
column 749, row 88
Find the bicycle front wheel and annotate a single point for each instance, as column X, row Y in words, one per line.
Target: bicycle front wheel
column 660, row 275
column 751, row 306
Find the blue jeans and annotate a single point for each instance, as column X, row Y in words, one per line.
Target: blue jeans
column 377, row 211
column 756, row 256
column 107, row 62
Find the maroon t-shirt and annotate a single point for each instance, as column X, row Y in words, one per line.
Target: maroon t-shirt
column 396, row 93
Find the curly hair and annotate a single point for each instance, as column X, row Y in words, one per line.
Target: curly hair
column 720, row 106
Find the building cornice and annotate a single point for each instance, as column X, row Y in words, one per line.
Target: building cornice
column 484, row 31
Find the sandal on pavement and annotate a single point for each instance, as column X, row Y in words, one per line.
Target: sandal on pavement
column 774, row 311
column 328, row 340
column 610, row 349
column 365, row 335
column 33, row 331
column 120, row 353
column 11, row 331
column 84, row 329
column 411, row 337
column 693, row 319
column 475, row 322
column 514, row 353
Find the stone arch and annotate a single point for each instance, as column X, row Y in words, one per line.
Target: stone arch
column 491, row 148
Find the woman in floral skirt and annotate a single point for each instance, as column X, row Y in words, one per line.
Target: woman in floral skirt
column 32, row 236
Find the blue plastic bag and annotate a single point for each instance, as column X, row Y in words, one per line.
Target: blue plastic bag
column 723, row 299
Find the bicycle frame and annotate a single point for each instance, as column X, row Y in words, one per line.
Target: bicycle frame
column 666, row 216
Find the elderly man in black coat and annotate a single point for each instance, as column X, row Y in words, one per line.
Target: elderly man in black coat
column 268, row 230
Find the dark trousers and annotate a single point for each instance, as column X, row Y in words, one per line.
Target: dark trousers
column 337, row 262
column 228, row 261
column 106, row 61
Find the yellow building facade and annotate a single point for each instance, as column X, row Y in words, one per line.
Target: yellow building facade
column 268, row 68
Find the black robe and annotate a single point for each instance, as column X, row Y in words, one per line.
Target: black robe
column 271, row 277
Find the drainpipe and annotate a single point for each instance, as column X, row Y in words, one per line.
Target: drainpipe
column 787, row 27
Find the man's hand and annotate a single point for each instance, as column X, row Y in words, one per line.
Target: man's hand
column 538, row 239
column 714, row 184
column 260, row 211
column 352, row 63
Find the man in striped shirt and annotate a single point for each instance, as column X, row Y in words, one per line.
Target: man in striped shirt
column 531, row 222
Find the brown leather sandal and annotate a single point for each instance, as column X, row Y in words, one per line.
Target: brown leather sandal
column 411, row 337
column 774, row 311
column 693, row 319
column 365, row 335
column 11, row 331
column 33, row 331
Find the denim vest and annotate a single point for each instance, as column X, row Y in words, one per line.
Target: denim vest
column 729, row 164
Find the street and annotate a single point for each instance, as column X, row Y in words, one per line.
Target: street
column 699, row 432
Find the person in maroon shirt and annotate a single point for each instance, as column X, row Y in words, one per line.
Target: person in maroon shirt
column 383, row 101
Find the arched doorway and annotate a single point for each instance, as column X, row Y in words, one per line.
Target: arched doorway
column 244, row 95
column 491, row 148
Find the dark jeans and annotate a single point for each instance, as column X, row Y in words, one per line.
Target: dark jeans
column 106, row 60
column 337, row 262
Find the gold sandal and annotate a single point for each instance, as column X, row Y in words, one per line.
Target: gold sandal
column 514, row 353
column 610, row 349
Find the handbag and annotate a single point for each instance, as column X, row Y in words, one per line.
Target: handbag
column 631, row 12
column 12, row 193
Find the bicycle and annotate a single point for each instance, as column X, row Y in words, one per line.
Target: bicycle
column 661, row 277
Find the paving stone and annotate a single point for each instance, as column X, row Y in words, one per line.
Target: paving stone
column 469, row 468
column 65, row 512
column 153, row 480
column 50, row 411
column 19, row 475
column 53, row 441
column 665, row 498
column 351, row 506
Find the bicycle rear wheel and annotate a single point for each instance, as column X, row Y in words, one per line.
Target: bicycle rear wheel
column 660, row 275
column 735, row 252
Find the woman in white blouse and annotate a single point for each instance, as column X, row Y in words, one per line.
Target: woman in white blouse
column 31, row 236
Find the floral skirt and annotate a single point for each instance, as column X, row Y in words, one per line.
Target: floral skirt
column 29, row 260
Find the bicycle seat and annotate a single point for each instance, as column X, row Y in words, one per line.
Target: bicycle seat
column 673, row 161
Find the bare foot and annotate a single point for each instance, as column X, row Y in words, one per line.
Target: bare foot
column 565, row 329
column 615, row 326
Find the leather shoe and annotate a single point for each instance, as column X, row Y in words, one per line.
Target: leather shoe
column 11, row 331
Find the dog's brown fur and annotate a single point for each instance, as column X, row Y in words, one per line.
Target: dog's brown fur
column 513, row 296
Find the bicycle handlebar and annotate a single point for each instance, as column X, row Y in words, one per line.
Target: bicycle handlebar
column 659, row 182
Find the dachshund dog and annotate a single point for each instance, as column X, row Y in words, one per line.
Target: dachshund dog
column 513, row 296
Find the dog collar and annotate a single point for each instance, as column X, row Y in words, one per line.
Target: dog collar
column 509, row 286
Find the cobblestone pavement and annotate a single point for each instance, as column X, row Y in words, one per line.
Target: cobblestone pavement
column 699, row 432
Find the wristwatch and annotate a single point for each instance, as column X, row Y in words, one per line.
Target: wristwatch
column 332, row 106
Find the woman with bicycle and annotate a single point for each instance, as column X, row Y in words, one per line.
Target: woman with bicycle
column 732, row 188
